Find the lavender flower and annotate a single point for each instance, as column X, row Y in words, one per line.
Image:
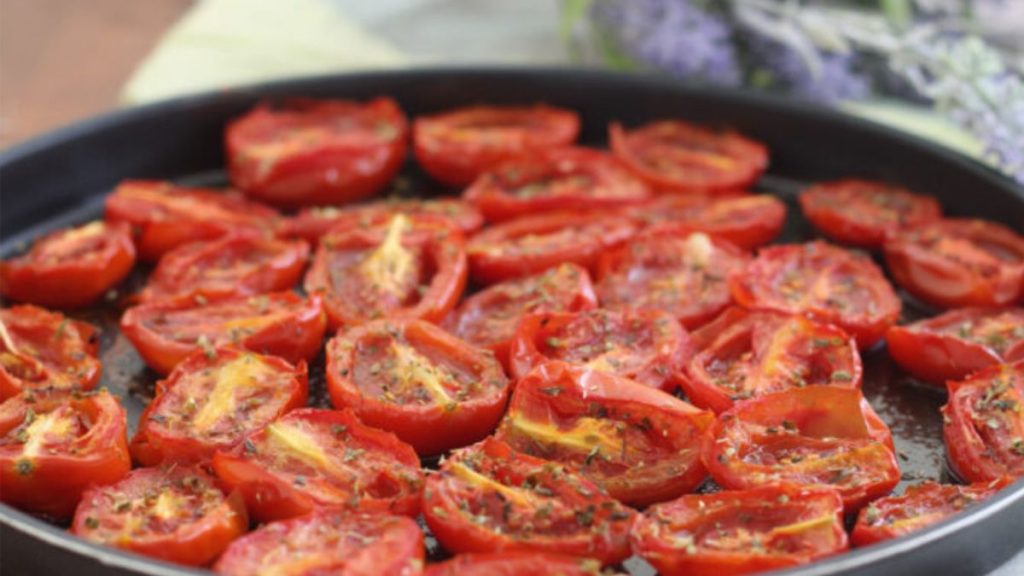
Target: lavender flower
column 835, row 77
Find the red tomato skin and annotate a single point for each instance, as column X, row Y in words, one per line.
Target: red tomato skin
column 746, row 220
column 310, row 224
column 515, row 564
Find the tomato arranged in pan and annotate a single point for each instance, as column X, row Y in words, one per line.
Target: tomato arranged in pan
column 639, row 444
column 311, row 224
column 515, row 564
column 457, row 146
column 316, row 152
column 54, row 444
column 431, row 389
column 741, row 532
column 746, row 220
column 40, row 349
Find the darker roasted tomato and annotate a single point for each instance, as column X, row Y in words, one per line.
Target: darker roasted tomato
column 746, row 220
column 865, row 212
column 958, row 262
column 813, row 436
column 984, row 423
column 311, row 224
column 639, row 444
column 328, row 542
column 824, row 282
column 741, row 532
column 489, row 498
column 213, row 399
column 175, row 514
column 316, row 152
column 554, row 179
column 41, row 349
column 311, row 459
column 70, row 268
column 743, row 354
column 685, row 276
column 280, row 324
column 409, row 377
column 54, row 444
column 521, row 563
column 456, row 146
column 675, row 156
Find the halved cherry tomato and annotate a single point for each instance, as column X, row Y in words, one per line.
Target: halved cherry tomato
column 328, row 542
column 826, row 283
column 685, row 276
column 311, row 224
column 520, row 563
column 163, row 215
column 553, row 179
column 489, row 498
column 639, row 444
column 40, row 349
column 865, row 212
column 984, row 423
column 316, row 152
column 743, row 354
column 958, row 262
column 647, row 346
column 408, row 268
column 952, row 345
column 312, row 459
column 814, row 436
column 54, row 444
column 676, row 156
column 175, row 514
column 213, row 399
column 746, row 220
column 409, row 377
column 280, row 324
column 456, row 146
column 741, row 532
column 70, row 268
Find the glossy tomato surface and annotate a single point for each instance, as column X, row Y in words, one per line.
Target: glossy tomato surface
column 311, row 224
column 746, row 220
column 40, row 349
column 515, row 564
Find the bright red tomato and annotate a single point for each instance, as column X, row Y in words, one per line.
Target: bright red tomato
column 516, row 564
column 746, row 220
column 311, row 224
column 40, row 349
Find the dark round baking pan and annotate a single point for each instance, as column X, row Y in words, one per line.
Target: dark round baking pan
column 61, row 178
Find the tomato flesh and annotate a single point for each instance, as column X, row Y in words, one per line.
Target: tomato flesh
column 311, row 224
column 515, row 564
column 40, row 350
column 745, row 220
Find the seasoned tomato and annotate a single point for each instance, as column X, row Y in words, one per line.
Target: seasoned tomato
column 685, row 276
column 532, row 244
column 328, row 542
column 54, row 444
column 824, row 282
column 865, row 212
column 175, row 514
column 814, row 436
column 316, row 152
column 280, row 324
column 489, row 498
column 639, row 444
column 743, row 354
column 409, row 268
column 958, row 262
column 553, row 179
column 409, row 377
column 41, row 349
column 984, row 423
column 746, row 220
column 955, row 344
column 311, row 224
column 70, row 268
column 675, row 156
column 213, row 399
column 647, row 346
column 311, row 459
column 520, row 563
column 741, row 532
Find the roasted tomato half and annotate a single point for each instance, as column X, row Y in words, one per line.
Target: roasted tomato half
column 328, row 542
column 175, row 514
column 312, row 459
column 741, row 532
column 984, row 423
column 280, row 324
column 54, row 444
column 958, row 262
column 40, row 349
column 746, row 220
column 456, row 146
column 311, row 224
column 814, row 436
column 824, row 282
column 521, row 563
column 316, row 152
column 410, row 377
column 489, row 498
column 639, row 444
column 743, row 354
column 70, row 268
